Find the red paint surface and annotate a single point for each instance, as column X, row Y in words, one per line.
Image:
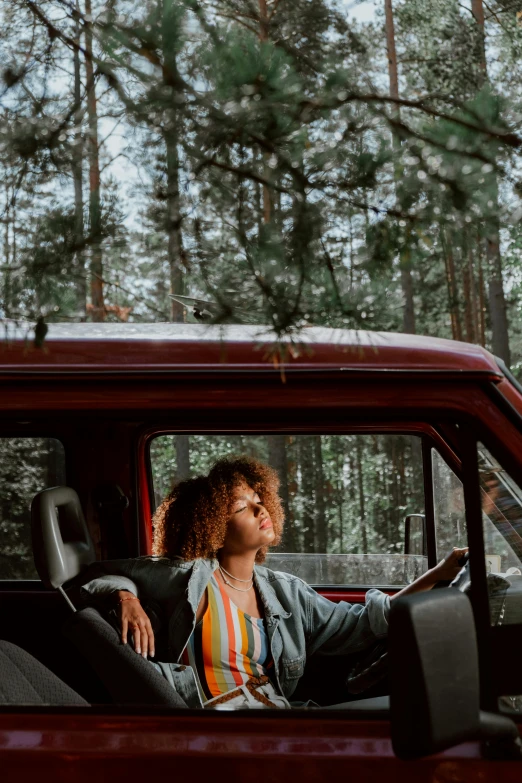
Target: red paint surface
column 223, row 747
column 350, row 595
column 131, row 348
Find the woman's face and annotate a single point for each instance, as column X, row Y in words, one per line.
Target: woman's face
column 249, row 527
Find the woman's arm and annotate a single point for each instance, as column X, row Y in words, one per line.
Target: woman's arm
column 445, row 571
column 336, row 629
column 117, row 584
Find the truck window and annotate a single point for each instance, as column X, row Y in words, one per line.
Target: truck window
column 502, row 521
column 448, row 507
column 27, row 465
column 345, row 497
column 502, row 526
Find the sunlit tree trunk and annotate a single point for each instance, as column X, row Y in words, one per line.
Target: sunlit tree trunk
column 95, row 217
column 404, row 257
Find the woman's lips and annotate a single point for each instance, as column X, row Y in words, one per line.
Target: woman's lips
column 265, row 523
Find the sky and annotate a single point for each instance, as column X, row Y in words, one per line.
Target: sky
column 363, row 12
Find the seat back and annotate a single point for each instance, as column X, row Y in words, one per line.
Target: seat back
column 62, row 548
column 62, row 545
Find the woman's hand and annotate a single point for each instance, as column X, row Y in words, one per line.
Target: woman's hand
column 134, row 619
column 447, row 569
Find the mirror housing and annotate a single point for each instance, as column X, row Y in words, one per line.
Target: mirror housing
column 434, row 676
column 409, row 523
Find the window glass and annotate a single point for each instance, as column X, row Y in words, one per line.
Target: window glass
column 448, row 507
column 27, row 465
column 502, row 522
column 345, row 497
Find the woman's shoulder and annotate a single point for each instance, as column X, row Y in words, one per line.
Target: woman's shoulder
column 280, row 577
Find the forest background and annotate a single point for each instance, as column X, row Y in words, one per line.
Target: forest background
column 290, row 162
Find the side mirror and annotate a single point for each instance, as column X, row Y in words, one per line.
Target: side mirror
column 415, row 535
column 434, row 676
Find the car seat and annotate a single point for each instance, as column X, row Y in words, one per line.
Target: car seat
column 26, row 681
column 62, row 549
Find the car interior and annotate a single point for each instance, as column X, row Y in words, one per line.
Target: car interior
column 95, row 499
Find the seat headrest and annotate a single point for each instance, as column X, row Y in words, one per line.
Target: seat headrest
column 62, row 545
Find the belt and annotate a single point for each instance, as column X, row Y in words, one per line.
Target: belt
column 252, row 685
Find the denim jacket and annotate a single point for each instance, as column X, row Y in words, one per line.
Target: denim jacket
column 299, row 621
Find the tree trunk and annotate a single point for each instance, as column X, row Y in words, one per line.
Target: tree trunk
column 477, row 9
column 292, row 468
column 497, row 300
column 77, row 173
column 496, row 297
column 474, row 296
column 277, row 459
column 321, row 528
column 171, row 136
column 482, row 302
column 182, row 457
column 175, row 240
column 468, row 299
column 7, row 255
column 417, row 493
column 307, row 493
column 98, row 305
column 408, row 321
column 453, row 295
column 362, row 505
column 263, row 37
column 339, row 464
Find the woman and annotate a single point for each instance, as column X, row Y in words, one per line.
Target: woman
column 239, row 634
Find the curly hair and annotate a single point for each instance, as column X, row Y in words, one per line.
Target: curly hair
column 192, row 520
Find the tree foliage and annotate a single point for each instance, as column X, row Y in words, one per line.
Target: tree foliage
column 250, row 153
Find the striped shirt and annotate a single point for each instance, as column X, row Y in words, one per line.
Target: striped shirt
column 227, row 646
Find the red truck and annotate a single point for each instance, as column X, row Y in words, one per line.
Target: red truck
column 106, row 410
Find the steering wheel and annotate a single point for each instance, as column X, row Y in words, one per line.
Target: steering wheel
column 497, row 589
column 463, row 579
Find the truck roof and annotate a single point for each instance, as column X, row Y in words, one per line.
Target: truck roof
column 124, row 348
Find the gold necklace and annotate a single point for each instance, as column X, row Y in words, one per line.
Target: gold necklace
column 236, row 578
column 239, row 589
